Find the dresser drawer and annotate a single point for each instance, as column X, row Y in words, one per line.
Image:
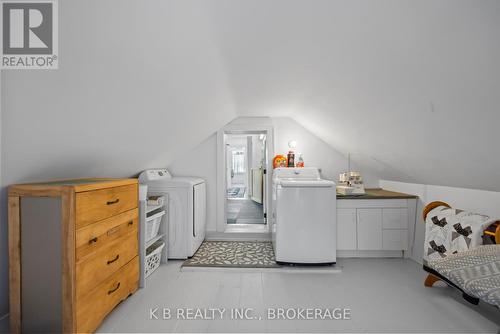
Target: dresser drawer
column 94, row 306
column 94, row 237
column 93, row 206
column 99, row 266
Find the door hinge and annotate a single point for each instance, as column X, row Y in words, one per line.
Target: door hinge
column 265, row 215
column 265, row 171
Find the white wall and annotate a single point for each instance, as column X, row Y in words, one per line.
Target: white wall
column 202, row 161
column 257, row 150
column 315, row 152
column 137, row 84
column 481, row 201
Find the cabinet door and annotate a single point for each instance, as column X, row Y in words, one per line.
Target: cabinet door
column 346, row 229
column 369, row 228
column 395, row 218
column 395, row 239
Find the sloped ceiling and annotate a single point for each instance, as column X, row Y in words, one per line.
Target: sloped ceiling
column 410, row 88
column 138, row 83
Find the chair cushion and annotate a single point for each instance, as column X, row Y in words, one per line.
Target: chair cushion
column 476, row 272
column 449, row 231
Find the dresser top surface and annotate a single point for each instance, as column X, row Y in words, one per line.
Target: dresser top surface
column 74, row 182
column 77, row 185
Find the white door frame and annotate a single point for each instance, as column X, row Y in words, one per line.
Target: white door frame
column 221, row 202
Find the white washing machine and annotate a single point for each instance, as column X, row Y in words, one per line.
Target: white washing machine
column 304, row 221
column 187, row 207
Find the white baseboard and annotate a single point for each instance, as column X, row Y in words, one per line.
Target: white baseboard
column 419, row 260
column 236, row 236
column 239, row 236
column 363, row 253
column 283, row 269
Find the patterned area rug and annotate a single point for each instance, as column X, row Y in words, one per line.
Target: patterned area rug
column 236, row 254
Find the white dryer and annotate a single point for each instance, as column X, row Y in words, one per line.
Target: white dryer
column 186, row 209
column 304, row 220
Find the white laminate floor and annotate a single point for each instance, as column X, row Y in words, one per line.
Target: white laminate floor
column 244, row 211
column 384, row 295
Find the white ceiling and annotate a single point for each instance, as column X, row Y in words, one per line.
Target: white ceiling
column 410, row 88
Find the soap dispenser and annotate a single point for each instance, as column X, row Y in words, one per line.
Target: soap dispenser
column 300, row 162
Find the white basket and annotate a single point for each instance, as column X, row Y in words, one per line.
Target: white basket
column 153, row 258
column 153, row 225
column 156, row 200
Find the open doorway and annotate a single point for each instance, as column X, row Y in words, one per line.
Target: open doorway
column 245, row 155
column 244, row 151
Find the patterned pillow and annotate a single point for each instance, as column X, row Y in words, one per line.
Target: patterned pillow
column 450, row 231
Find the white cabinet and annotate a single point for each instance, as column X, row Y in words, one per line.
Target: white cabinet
column 395, row 228
column 346, row 229
column 374, row 227
column 395, row 239
column 395, row 218
column 369, row 229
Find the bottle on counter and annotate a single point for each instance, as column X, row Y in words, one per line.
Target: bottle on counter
column 291, row 159
column 300, row 161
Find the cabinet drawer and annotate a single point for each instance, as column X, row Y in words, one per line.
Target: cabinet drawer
column 97, row 236
column 395, row 239
column 105, row 262
column 395, row 218
column 93, row 206
column 93, row 308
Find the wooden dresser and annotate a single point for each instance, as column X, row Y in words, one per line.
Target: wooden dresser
column 73, row 252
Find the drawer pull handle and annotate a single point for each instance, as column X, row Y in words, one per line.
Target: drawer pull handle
column 94, row 239
column 131, row 222
column 113, row 290
column 113, row 230
column 116, row 258
column 113, row 202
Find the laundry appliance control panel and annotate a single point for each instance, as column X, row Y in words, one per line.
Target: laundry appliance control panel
column 154, row 175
